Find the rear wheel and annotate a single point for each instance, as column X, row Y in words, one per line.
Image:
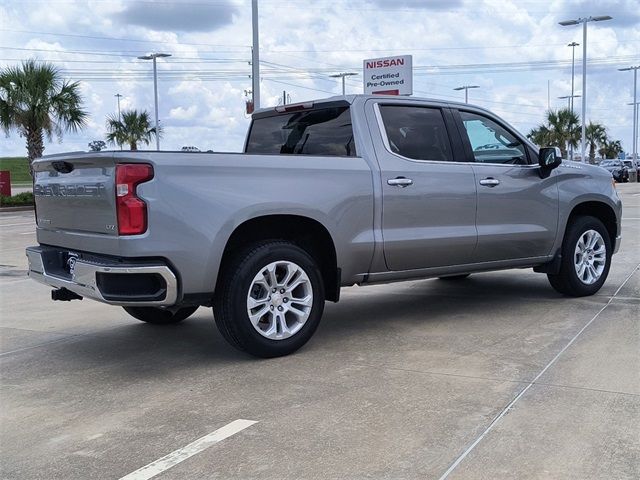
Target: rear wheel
column 160, row 316
column 586, row 258
column 270, row 300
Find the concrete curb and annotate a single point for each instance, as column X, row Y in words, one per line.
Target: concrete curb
column 23, row 208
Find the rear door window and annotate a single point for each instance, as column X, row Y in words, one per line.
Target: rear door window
column 415, row 132
column 321, row 132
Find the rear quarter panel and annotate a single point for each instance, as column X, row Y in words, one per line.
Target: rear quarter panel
column 197, row 201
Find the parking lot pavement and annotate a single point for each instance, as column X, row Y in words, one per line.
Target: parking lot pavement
column 493, row 377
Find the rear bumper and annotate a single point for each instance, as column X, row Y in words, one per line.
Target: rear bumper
column 143, row 283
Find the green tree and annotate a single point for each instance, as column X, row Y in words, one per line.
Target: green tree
column 97, row 145
column 132, row 128
column 36, row 101
column 560, row 129
column 596, row 136
column 610, row 149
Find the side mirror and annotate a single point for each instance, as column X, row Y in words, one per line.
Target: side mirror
column 549, row 157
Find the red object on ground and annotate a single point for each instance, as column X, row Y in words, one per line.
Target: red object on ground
column 5, row 183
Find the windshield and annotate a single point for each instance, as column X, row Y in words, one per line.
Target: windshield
column 609, row 163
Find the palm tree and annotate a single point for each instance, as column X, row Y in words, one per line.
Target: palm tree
column 132, row 128
column 561, row 129
column 596, row 135
column 36, row 101
column 541, row 136
column 610, row 149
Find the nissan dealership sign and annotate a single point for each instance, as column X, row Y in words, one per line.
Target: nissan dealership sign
column 388, row 76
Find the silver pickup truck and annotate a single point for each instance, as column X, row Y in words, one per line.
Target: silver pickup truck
column 332, row 193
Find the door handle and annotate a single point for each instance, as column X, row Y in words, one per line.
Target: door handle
column 490, row 182
column 400, row 182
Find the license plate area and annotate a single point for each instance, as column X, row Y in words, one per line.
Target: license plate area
column 60, row 263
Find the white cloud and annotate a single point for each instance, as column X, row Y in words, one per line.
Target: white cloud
column 201, row 86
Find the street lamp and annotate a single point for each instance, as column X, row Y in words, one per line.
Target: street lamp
column 635, row 107
column 118, row 96
column 573, row 46
column 343, row 75
column 569, row 99
column 466, row 91
column 584, row 21
column 255, row 56
column 153, row 56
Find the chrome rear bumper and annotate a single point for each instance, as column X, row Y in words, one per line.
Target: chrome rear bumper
column 84, row 278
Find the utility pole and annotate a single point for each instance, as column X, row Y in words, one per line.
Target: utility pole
column 255, row 56
column 635, row 108
column 342, row 76
column 584, row 21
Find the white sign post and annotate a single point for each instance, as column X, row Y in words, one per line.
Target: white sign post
column 388, row 75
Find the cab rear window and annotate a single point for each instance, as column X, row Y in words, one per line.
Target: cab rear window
column 321, row 132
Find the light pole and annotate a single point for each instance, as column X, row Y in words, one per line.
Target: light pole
column 118, row 96
column 342, row 76
column 584, row 21
column 573, row 46
column 153, row 56
column 635, row 107
column 255, row 56
column 466, row 91
column 569, row 99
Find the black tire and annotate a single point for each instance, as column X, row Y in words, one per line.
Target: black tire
column 454, row 278
column 160, row 316
column 567, row 281
column 230, row 305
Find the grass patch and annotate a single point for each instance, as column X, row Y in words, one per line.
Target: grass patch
column 19, row 168
column 25, row 198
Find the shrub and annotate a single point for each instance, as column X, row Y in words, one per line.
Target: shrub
column 24, row 198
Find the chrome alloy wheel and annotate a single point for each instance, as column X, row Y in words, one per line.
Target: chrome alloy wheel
column 279, row 300
column 590, row 257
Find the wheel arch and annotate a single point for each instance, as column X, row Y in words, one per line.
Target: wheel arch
column 600, row 210
column 305, row 232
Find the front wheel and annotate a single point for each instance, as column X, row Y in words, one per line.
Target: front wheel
column 270, row 299
column 160, row 316
column 586, row 258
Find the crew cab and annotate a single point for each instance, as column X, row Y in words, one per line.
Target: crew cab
column 327, row 194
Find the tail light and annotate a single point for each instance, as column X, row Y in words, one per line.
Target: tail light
column 132, row 211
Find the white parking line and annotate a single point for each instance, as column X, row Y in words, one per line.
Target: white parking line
column 15, row 224
column 506, row 409
column 180, row 455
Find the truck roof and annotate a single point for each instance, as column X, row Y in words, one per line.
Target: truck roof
column 337, row 99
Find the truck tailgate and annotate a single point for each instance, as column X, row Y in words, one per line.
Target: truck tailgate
column 76, row 192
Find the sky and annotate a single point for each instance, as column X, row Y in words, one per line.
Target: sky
column 514, row 50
